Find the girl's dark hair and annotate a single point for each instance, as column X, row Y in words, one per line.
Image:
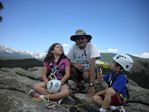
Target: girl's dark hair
column 50, row 56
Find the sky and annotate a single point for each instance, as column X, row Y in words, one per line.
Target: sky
column 115, row 25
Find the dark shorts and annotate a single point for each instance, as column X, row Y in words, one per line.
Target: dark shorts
column 115, row 100
column 76, row 75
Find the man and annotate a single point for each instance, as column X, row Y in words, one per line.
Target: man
column 83, row 56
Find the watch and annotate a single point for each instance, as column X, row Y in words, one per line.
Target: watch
column 91, row 84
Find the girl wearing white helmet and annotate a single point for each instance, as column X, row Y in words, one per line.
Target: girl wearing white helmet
column 56, row 72
column 116, row 93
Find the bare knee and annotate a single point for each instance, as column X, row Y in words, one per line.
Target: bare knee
column 86, row 76
column 65, row 90
column 35, row 86
column 110, row 91
column 95, row 98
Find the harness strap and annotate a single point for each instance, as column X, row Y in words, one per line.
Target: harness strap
column 122, row 98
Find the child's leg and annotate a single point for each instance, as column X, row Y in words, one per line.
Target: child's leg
column 56, row 96
column 103, row 98
column 116, row 100
column 40, row 88
column 99, row 96
column 98, row 99
column 116, row 103
column 107, row 99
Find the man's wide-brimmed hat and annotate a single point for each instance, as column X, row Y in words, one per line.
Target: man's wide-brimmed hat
column 79, row 33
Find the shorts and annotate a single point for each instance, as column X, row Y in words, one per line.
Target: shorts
column 76, row 75
column 116, row 100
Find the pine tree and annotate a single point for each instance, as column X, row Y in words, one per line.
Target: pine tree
column 1, row 7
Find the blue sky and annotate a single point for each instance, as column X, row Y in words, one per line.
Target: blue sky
column 115, row 25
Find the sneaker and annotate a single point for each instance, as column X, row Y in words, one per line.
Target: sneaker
column 32, row 93
column 59, row 101
column 120, row 109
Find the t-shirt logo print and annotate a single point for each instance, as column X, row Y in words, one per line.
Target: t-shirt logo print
column 82, row 58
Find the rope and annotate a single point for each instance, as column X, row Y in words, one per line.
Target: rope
column 53, row 105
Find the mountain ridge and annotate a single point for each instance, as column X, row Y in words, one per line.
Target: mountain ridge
column 10, row 53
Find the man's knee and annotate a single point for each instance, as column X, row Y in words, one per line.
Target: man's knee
column 86, row 76
column 73, row 70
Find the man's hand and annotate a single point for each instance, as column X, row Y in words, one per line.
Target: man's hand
column 91, row 91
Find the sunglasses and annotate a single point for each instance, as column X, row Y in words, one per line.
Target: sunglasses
column 80, row 38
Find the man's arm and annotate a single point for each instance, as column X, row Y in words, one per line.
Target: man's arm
column 91, row 90
column 92, row 69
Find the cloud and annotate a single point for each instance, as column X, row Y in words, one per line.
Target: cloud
column 143, row 55
column 112, row 50
column 66, row 47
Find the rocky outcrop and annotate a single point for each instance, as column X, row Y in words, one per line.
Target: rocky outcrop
column 16, row 82
column 140, row 73
column 14, row 86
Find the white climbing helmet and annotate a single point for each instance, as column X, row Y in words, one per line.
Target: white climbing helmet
column 124, row 60
column 53, row 85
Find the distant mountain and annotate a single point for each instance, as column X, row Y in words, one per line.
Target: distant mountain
column 21, row 63
column 107, row 57
column 10, row 53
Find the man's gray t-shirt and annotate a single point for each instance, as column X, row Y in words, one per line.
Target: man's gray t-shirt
column 82, row 56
